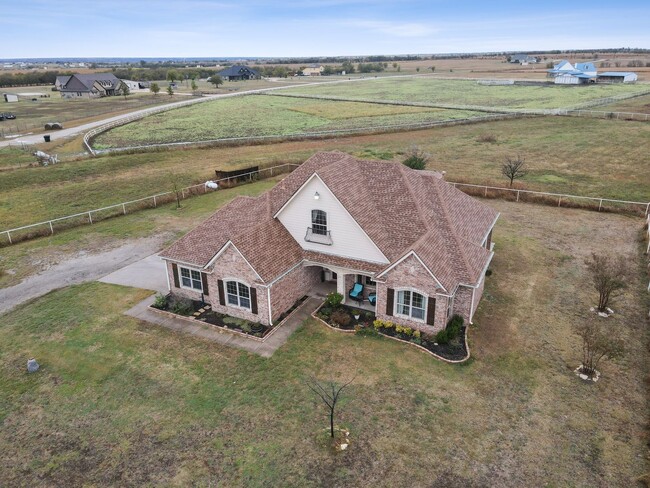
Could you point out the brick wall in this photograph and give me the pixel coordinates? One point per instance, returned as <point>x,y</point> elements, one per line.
<point>293,286</point>
<point>463,302</point>
<point>411,274</point>
<point>230,265</point>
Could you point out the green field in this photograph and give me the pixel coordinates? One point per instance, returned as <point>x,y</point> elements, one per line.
<point>254,116</point>
<point>602,158</point>
<point>469,92</point>
<point>119,402</point>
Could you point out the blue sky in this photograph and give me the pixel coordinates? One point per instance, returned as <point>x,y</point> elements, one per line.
<point>206,28</point>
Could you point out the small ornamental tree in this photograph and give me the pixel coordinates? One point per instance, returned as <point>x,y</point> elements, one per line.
<point>330,394</point>
<point>416,158</point>
<point>609,277</point>
<point>514,169</point>
<point>596,345</point>
<point>170,91</point>
<point>154,88</point>
<point>216,80</point>
<point>126,91</point>
<point>194,85</point>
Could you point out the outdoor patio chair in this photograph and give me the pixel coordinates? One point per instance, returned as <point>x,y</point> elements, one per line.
<point>372,298</point>
<point>356,293</point>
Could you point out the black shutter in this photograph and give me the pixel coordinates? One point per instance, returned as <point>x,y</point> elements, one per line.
<point>254,301</point>
<point>204,282</point>
<point>222,298</point>
<point>390,298</point>
<point>322,275</point>
<point>431,311</point>
<point>175,272</point>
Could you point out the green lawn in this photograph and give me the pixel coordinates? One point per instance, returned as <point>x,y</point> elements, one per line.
<point>119,402</point>
<point>254,116</point>
<point>469,92</point>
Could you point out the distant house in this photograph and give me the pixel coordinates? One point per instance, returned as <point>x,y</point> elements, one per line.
<point>523,59</point>
<point>617,77</point>
<point>131,85</point>
<point>60,81</point>
<point>313,70</point>
<point>239,73</point>
<point>564,73</point>
<point>94,85</point>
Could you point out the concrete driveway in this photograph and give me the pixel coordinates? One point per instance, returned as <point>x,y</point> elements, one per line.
<point>148,273</point>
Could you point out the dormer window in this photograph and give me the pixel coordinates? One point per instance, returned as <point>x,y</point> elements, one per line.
<point>319,222</point>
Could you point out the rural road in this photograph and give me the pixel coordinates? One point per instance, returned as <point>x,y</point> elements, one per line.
<point>65,133</point>
<point>86,267</point>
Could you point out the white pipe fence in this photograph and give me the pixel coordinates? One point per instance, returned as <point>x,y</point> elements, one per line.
<point>604,204</point>
<point>86,217</point>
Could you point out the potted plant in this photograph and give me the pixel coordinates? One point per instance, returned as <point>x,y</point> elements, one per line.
<point>356,314</point>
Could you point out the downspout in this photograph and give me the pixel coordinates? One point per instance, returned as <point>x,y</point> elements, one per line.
<point>169,285</point>
<point>268,295</point>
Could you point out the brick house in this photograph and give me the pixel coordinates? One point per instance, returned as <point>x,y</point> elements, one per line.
<point>419,246</point>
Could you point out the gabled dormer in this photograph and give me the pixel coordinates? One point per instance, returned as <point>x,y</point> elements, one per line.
<point>319,222</point>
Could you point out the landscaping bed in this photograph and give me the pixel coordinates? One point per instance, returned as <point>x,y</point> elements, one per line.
<point>344,317</point>
<point>254,329</point>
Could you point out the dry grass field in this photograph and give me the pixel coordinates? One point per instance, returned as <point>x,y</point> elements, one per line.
<point>121,402</point>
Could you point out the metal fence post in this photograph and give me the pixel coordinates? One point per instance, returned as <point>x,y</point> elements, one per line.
<point>559,201</point>
<point>51,228</point>
<point>123,209</point>
<point>9,236</point>
<point>90,218</point>
<point>517,195</point>
<point>154,201</point>
<point>600,204</point>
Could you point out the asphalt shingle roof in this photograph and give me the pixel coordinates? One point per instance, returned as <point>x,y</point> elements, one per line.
<point>418,211</point>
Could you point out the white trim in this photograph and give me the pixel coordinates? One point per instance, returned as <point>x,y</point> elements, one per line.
<point>418,258</point>
<point>180,278</point>
<point>285,273</point>
<point>471,307</point>
<point>410,317</point>
<point>225,290</point>
<point>490,229</point>
<point>223,249</point>
<point>169,285</point>
<point>268,297</point>
<point>182,263</point>
<point>482,275</point>
<point>315,174</point>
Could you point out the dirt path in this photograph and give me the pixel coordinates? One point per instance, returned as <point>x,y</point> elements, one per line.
<point>79,268</point>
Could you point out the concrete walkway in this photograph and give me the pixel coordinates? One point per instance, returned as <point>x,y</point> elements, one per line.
<point>264,348</point>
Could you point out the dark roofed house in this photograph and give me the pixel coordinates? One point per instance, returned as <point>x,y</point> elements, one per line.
<point>239,73</point>
<point>60,81</point>
<point>92,85</point>
<point>418,245</point>
<point>523,59</point>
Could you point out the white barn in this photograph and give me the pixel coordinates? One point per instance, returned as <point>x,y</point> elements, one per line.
<point>617,77</point>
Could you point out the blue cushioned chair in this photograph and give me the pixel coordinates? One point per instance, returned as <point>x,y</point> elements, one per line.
<point>356,293</point>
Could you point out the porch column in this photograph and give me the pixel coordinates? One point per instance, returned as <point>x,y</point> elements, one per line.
<point>340,285</point>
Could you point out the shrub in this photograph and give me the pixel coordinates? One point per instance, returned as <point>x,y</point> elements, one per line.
<point>366,331</point>
<point>160,301</point>
<point>442,337</point>
<point>487,138</point>
<point>340,318</point>
<point>452,331</point>
<point>180,305</point>
<point>416,158</point>
<point>416,334</point>
<point>334,299</point>
<point>383,324</point>
<point>400,329</point>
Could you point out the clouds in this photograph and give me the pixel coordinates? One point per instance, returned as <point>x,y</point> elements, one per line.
<point>164,28</point>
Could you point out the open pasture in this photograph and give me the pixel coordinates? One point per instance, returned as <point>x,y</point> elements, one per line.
<point>590,157</point>
<point>264,115</point>
<point>469,92</point>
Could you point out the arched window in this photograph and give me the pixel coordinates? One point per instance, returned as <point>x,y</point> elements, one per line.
<point>239,295</point>
<point>410,304</point>
<point>319,222</point>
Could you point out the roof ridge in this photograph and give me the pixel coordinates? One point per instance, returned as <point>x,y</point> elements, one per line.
<point>452,230</point>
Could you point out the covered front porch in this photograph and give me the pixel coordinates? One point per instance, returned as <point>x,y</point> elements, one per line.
<point>340,280</point>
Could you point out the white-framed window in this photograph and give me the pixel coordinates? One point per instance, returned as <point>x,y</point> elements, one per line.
<point>238,295</point>
<point>191,278</point>
<point>410,304</point>
<point>319,222</point>
<point>366,280</point>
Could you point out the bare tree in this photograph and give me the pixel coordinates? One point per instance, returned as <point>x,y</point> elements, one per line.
<point>330,393</point>
<point>597,345</point>
<point>174,181</point>
<point>514,169</point>
<point>609,276</point>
